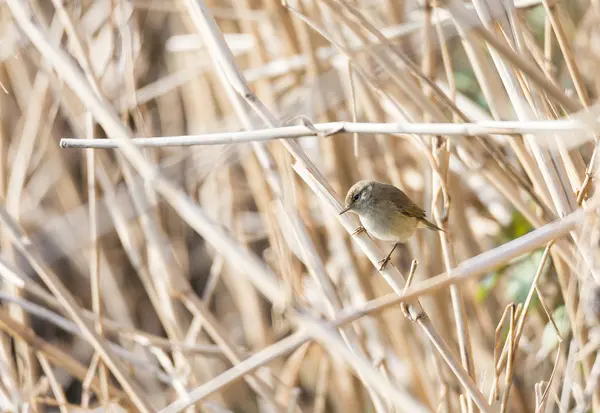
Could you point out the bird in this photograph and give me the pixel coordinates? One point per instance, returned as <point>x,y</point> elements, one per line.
<point>385,212</point>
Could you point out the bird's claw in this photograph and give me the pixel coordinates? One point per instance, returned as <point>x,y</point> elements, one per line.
<point>359,230</point>
<point>383,263</point>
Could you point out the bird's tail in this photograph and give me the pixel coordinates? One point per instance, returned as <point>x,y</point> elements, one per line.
<point>429,225</point>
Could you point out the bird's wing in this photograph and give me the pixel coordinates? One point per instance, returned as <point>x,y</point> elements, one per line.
<point>413,210</point>
<point>404,204</point>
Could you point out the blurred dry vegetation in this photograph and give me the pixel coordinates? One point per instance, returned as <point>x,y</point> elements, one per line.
<point>141,279</point>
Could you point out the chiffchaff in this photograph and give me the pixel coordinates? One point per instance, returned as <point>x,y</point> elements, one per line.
<point>385,212</point>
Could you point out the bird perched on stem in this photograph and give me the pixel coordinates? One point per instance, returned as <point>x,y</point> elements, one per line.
<point>385,212</point>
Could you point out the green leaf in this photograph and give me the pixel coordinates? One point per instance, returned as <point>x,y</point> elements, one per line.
<point>521,275</point>
<point>518,227</point>
<point>486,285</point>
<point>549,338</point>
<point>562,320</point>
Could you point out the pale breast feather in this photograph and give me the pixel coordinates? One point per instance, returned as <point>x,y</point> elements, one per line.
<point>400,230</point>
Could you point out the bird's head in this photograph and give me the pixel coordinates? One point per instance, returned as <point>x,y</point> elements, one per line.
<point>358,197</point>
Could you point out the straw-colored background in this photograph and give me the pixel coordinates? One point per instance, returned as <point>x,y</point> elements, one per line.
<point>219,277</point>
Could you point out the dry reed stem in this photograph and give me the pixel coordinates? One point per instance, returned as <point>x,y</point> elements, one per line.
<point>514,342</point>
<point>315,267</point>
<point>206,24</point>
<point>134,336</point>
<point>21,241</point>
<point>59,395</point>
<point>252,363</point>
<point>94,256</point>
<point>333,128</point>
<point>476,266</point>
<point>54,354</point>
<point>86,382</point>
<point>233,81</point>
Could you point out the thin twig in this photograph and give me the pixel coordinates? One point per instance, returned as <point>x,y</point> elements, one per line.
<point>330,128</point>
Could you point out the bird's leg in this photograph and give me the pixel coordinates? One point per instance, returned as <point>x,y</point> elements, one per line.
<point>384,261</point>
<point>359,230</point>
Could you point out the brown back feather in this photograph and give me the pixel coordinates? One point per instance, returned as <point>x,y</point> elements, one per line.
<point>397,199</point>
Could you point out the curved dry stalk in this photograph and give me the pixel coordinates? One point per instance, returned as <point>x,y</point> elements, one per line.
<point>514,342</point>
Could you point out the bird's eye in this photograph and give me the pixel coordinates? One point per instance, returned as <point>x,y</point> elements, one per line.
<point>355,197</point>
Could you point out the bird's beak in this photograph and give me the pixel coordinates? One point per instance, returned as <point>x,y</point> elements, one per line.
<point>343,211</point>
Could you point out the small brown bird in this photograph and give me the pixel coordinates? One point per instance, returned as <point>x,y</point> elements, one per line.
<point>385,212</point>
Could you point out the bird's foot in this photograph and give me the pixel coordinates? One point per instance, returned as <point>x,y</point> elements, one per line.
<point>383,263</point>
<point>359,230</point>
